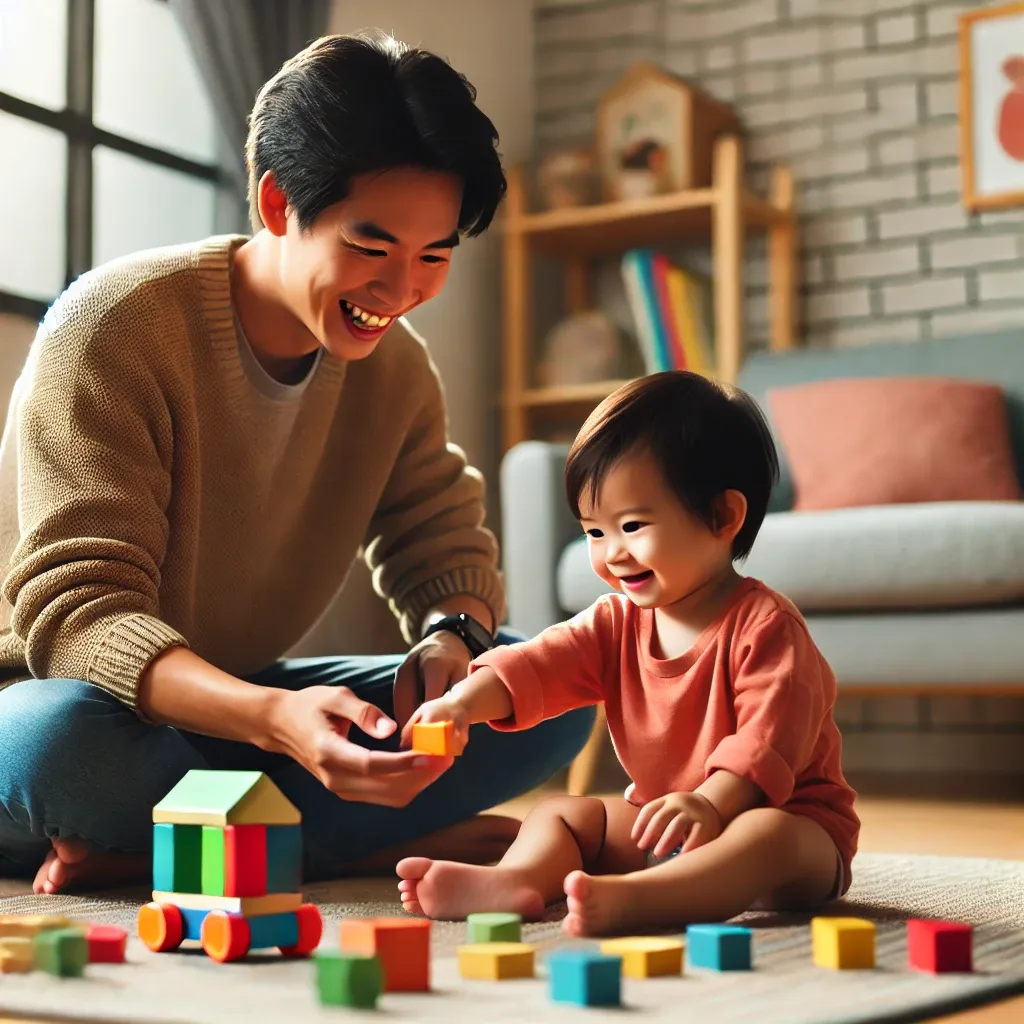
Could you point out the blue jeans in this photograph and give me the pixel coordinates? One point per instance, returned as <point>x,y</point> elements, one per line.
<point>75,761</point>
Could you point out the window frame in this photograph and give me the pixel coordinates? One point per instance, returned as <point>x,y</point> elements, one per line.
<point>75,122</point>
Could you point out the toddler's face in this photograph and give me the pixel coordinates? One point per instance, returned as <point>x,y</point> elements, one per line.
<point>643,542</point>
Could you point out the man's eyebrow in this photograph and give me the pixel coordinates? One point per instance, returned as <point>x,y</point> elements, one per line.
<point>368,229</point>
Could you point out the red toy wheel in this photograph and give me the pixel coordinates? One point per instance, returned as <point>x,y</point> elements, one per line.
<point>311,928</point>
<point>225,936</point>
<point>160,926</point>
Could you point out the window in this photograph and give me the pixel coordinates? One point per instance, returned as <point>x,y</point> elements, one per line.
<point>108,139</point>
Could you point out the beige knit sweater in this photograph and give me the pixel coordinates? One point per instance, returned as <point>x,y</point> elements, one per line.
<point>158,487</point>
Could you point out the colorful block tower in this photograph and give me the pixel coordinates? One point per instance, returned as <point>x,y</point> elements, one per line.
<point>227,866</point>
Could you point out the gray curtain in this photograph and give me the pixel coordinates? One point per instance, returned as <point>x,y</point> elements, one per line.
<point>238,45</point>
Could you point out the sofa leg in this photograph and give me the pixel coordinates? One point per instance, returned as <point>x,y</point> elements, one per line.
<point>583,770</point>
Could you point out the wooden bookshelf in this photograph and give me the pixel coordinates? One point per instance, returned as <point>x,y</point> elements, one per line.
<point>723,214</point>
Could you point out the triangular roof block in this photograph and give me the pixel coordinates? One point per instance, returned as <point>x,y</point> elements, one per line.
<point>226,798</point>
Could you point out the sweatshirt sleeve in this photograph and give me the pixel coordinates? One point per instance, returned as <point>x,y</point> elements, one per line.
<point>562,668</point>
<point>427,540</point>
<point>781,696</point>
<point>94,443</point>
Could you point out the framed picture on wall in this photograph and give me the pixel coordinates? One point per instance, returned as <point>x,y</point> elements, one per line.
<point>992,106</point>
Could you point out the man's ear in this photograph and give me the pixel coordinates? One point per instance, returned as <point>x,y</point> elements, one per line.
<point>272,205</point>
<point>730,514</point>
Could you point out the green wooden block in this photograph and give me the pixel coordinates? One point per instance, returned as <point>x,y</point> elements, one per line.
<point>213,861</point>
<point>494,928</point>
<point>348,979</point>
<point>177,853</point>
<point>64,952</point>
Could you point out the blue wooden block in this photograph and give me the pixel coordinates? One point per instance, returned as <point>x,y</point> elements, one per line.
<point>177,857</point>
<point>284,858</point>
<point>269,930</point>
<point>721,947</point>
<point>585,977</point>
<point>193,922</point>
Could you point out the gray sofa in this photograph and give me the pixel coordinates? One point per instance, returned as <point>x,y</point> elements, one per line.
<point>923,598</point>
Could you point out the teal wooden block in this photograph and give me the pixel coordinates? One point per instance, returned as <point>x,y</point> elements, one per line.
<point>63,951</point>
<point>585,978</point>
<point>284,858</point>
<point>177,858</point>
<point>720,947</point>
<point>494,928</point>
<point>348,979</point>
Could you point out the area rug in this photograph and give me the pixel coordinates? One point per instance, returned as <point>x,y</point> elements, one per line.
<point>784,988</point>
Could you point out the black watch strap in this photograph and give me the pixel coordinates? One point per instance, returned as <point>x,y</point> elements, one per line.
<point>474,635</point>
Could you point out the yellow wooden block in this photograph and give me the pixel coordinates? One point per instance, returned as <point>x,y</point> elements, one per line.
<point>250,906</point>
<point>496,961</point>
<point>647,956</point>
<point>30,925</point>
<point>843,943</point>
<point>433,738</point>
<point>17,954</point>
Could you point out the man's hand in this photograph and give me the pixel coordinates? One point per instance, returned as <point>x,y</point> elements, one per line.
<point>312,727</point>
<point>446,708</point>
<point>429,670</point>
<point>678,818</point>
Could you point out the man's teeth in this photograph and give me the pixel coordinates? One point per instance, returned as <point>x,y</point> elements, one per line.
<point>365,319</point>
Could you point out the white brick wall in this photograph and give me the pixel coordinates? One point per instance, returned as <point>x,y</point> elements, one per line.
<point>859,98</point>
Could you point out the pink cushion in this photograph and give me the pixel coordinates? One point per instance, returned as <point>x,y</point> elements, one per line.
<point>894,440</point>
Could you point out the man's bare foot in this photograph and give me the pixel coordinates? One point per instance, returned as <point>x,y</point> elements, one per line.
<point>71,864</point>
<point>448,891</point>
<point>604,905</point>
<point>480,840</point>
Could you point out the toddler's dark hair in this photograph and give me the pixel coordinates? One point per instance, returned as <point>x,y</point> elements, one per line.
<point>707,437</point>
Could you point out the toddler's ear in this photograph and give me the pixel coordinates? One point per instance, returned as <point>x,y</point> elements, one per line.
<point>730,512</point>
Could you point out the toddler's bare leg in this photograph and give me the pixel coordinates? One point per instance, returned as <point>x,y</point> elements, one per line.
<point>560,835</point>
<point>764,855</point>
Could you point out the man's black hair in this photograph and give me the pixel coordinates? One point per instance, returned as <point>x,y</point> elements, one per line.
<point>705,436</point>
<point>352,104</point>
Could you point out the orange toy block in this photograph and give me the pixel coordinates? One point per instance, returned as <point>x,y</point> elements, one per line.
<point>433,738</point>
<point>402,945</point>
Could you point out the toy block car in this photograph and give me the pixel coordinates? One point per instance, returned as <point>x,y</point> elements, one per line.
<point>227,864</point>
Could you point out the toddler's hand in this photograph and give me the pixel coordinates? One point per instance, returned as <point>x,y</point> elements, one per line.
<point>444,709</point>
<point>687,818</point>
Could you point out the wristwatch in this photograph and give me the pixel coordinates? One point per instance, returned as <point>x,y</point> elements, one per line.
<point>467,629</point>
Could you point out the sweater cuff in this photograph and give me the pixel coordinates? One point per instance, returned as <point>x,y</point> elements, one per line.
<point>124,653</point>
<point>484,584</point>
<point>751,758</point>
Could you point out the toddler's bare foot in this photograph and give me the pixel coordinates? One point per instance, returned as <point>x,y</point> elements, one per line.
<point>448,891</point>
<point>72,864</point>
<point>600,905</point>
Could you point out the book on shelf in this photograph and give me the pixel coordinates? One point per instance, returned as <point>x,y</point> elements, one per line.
<point>672,311</point>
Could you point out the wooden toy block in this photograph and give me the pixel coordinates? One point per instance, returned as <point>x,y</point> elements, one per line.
<point>401,944</point>
<point>106,943</point>
<point>207,797</point>
<point>496,961</point>
<point>719,947</point>
<point>212,872</point>
<point>940,946</point>
<point>63,952</point>
<point>284,858</point>
<point>494,928</point>
<point>245,860</point>
<point>177,857</point>
<point>433,738</point>
<point>30,925</point>
<point>647,956</point>
<point>843,943</point>
<point>585,978</point>
<point>272,903</point>
<point>348,979</point>
<point>17,954</point>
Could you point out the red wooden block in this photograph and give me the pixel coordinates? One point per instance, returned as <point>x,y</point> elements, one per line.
<point>939,946</point>
<point>106,944</point>
<point>245,860</point>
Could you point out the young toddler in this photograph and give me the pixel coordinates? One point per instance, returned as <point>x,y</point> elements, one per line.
<point>718,702</point>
